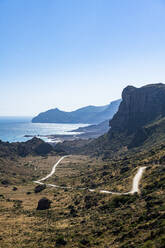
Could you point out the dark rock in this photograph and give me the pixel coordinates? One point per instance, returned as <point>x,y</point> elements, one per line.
<point>43,204</point>
<point>39,188</point>
<point>28,193</point>
<point>5,182</point>
<point>15,188</point>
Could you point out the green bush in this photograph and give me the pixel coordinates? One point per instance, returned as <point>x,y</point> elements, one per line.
<point>60,241</point>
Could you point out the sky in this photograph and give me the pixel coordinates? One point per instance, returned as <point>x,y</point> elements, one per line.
<point>73,53</point>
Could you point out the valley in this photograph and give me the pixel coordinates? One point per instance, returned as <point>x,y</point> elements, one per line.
<point>78,218</point>
<point>135,183</point>
<point>106,192</point>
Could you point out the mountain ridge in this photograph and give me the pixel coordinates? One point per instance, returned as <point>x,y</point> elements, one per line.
<point>88,115</point>
<point>139,121</point>
<point>138,124</point>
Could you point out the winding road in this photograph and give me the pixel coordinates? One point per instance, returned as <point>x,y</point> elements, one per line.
<point>135,183</point>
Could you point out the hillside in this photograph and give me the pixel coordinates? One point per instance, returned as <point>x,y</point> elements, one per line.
<point>99,129</point>
<point>82,213</point>
<point>89,114</point>
<point>34,146</point>
<point>139,121</point>
<point>138,124</point>
<point>80,218</point>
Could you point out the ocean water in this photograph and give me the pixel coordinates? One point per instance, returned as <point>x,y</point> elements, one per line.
<point>13,129</point>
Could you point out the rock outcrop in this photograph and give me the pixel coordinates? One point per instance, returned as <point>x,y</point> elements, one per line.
<point>140,118</point>
<point>39,188</point>
<point>139,107</point>
<point>34,146</point>
<point>43,203</point>
<point>138,123</point>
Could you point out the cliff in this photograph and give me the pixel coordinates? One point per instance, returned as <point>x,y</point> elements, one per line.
<point>139,107</point>
<point>140,120</point>
<point>139,123</point>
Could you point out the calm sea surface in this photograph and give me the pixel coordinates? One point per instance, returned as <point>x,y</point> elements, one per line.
<point>13,129</point>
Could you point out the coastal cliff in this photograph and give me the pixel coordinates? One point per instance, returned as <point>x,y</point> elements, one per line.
<point>139,107</point>
<point>139,123</point>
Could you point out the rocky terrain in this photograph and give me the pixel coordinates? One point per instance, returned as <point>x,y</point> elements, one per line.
<point>139,122</point>
<point>75,213</point>
<point>34,146</point>
<point>139,107</point>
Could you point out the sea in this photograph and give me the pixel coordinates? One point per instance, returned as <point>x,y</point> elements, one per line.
<point>14,129</point>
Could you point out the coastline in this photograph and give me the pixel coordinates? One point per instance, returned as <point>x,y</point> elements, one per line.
<point>84,133</point>
<point>59,138</point>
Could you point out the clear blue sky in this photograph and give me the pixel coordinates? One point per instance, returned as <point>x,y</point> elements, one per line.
<point>72,53</point>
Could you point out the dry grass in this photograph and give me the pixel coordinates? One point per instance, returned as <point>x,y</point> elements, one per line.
<point>76,214</point>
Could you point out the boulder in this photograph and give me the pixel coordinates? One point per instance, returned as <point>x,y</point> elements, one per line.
<point>15,188</point>
<point>5,182</point>
<point>43,204</point>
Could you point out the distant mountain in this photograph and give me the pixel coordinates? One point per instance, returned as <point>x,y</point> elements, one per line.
<point>89,114</point>
<point>93,131</point>
<point>102,127</point>
<point>139,123</point>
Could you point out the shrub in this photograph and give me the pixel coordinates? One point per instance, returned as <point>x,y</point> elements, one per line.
<point>14,188</point>
<point>117,201</point>
<point>85,242</point>
<point>39,188</point>
<point>60,241</point>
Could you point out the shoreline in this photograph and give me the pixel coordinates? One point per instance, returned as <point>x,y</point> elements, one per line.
<point>59,138</point>
<point>84,133</point>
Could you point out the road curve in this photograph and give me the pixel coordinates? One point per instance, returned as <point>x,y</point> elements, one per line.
<point>51,174</point>
<point>135,183</point>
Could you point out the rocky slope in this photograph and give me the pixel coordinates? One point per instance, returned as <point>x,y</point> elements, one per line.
<point>139,123</point>
<point>89,114</point>
<point>139,107</point>
<point>96,130</point>
<point>34,146</point>
<point>81,218</point>
<point>140,117</point>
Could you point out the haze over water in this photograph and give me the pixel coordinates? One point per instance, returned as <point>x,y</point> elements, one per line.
<point>13,129</point>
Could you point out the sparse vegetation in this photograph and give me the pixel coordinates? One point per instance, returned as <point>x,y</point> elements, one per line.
<point>79,218</point>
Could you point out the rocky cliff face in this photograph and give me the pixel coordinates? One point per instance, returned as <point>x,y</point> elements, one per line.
<point>139,107</point>
<point>139,123</point>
